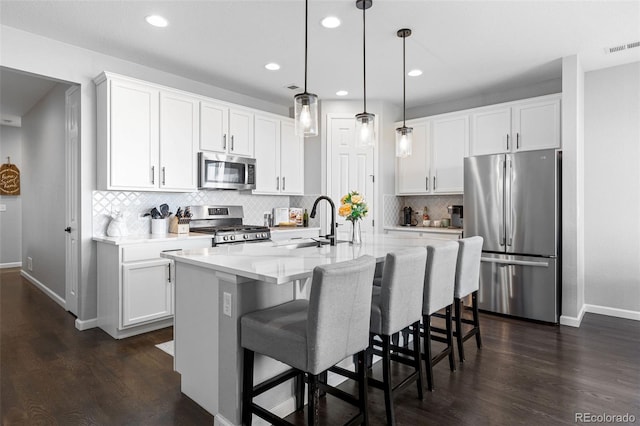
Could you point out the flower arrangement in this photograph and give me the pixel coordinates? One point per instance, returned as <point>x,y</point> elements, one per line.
<point>353,207</point>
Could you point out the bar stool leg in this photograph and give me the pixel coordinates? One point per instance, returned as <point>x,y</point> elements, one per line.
<point>426,322</point>
<point>386,377</point>
<point>247,386</point>
<point>416,356</point>
<point>458,331</point>
<point>476,319</point>
<point>452,357</point>
<point>313,408</point>
<point>363,400</point>
<point>299,392</point>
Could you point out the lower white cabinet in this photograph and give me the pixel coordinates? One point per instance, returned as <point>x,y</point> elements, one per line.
<point>426,233</point>
<point>135,285</point>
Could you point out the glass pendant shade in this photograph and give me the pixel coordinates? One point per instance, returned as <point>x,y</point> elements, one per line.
<point>366,129</point>
<point>306,114</point>
<point>404,141</point>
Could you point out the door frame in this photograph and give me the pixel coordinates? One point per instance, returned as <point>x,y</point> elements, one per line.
<point>72,192</point>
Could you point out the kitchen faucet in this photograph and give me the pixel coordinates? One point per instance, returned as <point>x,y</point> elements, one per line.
<point>332,236</point>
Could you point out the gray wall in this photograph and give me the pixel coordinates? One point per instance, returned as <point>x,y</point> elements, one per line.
<point>11,219</point>
<point>612,187</point>
<point>43,189</point>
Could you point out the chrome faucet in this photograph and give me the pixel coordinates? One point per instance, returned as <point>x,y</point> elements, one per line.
<point>332,236</point>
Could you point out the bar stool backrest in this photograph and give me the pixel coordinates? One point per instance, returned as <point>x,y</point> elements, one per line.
<point>339,312</point>
<point>468,269</point>
<point>440,276</point>
<point>401,289</point>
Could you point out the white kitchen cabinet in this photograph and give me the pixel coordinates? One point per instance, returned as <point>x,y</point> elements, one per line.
<point>436,163</point>
<point>135,285</point>
<point>226,129</point>
<point>516,126</point>
<point>146,136</point>
<point>426,233</point>
<point>279,156</point>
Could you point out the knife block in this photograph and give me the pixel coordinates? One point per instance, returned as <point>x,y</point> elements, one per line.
<point>179,225</point>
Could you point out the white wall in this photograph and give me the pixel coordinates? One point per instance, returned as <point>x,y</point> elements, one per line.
<point>11,219</point>
<point>612,189</point>
<point>43,56</point>
<point>43,190</point>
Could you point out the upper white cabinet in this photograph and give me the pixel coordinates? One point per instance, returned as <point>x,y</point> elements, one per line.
<point>226,129</point>
<point>279,156</point>
<point>436,163</point>
<point>146,136</point>
<point>516,126</point>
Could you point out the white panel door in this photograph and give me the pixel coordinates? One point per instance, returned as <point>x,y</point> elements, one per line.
<point>350,169</point>
<point>450,135</point>
<point>147,293</point>
<point>491,131</point>
<point>267,151</point>
<point>291,160</point>
<point>72,149</point>
<point>536,125</point>
<point>214,127</point>
<point>413,172</point>
<point>178,141</point>
<point>134,127</point>
<point>241,132</point>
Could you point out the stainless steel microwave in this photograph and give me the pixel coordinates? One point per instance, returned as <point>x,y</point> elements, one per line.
<point>219,171</point>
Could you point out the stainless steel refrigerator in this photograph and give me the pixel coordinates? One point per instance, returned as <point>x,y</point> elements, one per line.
<point>512,200</point>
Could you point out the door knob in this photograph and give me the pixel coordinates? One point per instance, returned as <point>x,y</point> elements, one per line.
<point>67,229</point>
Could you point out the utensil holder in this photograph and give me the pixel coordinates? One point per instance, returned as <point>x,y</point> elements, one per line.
<point>159,226</point>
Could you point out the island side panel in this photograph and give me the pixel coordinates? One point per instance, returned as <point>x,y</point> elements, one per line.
<point>196,334</point>
<point>248,296</point>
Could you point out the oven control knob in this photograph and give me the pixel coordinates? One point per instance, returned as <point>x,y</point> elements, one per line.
<point>225,238</point>
<point>245,236</point>
<point>233,237</point>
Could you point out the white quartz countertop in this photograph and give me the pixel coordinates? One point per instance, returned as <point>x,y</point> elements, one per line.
<point>278,263</point>
<point>424,229</point>
<point>149,238</point>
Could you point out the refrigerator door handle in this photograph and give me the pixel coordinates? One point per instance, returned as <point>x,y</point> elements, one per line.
<point>510,224</point>
<point>507,262</point>
<point>502,229</point>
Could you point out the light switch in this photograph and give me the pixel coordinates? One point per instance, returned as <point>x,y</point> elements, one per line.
<point>226,308</point>
<point>3,207</point>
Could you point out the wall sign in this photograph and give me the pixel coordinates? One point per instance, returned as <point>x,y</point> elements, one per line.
<point>9,179</point>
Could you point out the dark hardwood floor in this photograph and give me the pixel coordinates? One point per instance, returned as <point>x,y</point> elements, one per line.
<point>526,373</point>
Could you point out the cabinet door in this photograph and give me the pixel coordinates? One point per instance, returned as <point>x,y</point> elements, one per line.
<point>412,173</point>
<point>267,150</point>
<point>133,142</point>
<point>450,135</point>
<point>241,132</point>
<point>291,160</point>
<point>147,292</point>
<point>178,139</point>
<point>536,125</point>
<point>214,127</point>
<point>490,133</point>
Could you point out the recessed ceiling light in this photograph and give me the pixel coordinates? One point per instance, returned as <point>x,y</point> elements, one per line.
<point>330,22</point>
<point>157,21</point>
<point>414,73</point>
<point>342,93</point>
<point>272,66</point>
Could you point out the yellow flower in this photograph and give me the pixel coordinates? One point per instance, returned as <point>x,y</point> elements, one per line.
<point>343,200</point>
<point>344,210</point>
<point>356,199</point>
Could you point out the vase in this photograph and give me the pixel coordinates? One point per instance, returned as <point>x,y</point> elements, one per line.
<point>356,235</point>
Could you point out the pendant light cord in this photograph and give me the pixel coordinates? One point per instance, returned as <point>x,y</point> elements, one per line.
<point>306,20</point>
<point>364,55</point>
<point>404,83</point>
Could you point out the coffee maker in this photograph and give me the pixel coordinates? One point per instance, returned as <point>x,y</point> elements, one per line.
<point>407,217</point>
<point>455,212</point>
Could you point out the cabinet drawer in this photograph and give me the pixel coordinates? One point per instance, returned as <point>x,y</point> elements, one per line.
<point>152,250</point>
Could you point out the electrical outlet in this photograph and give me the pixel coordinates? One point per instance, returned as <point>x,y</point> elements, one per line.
<point>29,263</point>
<point>226,308</point>
<point>3,207</point>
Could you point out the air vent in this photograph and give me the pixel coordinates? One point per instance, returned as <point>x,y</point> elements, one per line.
<point>292,86</point>
<point>620,48</point>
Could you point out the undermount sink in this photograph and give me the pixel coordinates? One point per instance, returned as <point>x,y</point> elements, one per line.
<point>306,242</point>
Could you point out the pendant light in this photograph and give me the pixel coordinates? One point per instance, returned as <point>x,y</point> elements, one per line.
<point>306,104</point>
<point>365,121</point>
<point>404,134</point>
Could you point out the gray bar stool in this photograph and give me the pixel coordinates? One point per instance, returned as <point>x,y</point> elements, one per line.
<point>311,336</point>
<point>467,283</point>
<point>439,282</point>
<point>396,304</point>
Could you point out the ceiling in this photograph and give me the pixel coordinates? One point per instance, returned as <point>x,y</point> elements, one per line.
<point>465,48</point>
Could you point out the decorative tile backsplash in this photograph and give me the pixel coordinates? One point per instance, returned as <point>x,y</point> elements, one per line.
<point>436,206</point>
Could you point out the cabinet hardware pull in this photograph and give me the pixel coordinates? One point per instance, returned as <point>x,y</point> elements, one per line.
<point>426,183</point>
<point>163,175</point>
<point>153,175</point>
<point>507,141</point>
<point>283,182</point>
<point>517,140</point>
<point>169,265</point>
<point>277,184</point>
<point>434,183</point>
<point>231,142</point>
<point>224,141</point>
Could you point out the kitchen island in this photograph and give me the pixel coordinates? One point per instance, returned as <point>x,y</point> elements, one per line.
<point>215,286</point>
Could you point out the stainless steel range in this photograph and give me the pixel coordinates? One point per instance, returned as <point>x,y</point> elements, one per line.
<point>224,223</point>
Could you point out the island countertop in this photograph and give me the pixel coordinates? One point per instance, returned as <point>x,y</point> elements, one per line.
<point>278,263</point>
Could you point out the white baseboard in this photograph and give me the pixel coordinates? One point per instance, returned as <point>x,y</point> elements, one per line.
<point>86,324</point>
<point>10,265</point>
<point>220,420</point>
<point>46,290</point>
<point>573,321</point>
<point>613,312</point>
